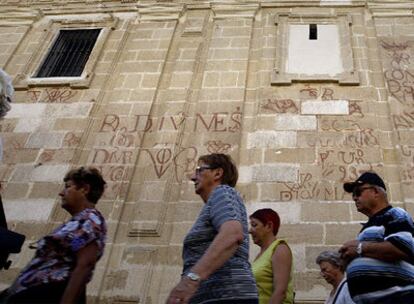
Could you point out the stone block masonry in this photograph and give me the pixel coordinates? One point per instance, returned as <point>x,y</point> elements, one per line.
<point>173,81</point>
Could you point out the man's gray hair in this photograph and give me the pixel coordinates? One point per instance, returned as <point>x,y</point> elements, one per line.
<point>383,191</point>
<point>331,257</point>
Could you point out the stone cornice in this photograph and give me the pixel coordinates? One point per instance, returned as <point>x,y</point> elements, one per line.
<point>19,16</point>
<point>160,11</point>
<point>234,10</point>
<point>391,8</point>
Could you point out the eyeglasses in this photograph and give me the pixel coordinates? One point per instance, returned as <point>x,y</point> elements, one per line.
<point>200,169</point>
<point>358,190</point>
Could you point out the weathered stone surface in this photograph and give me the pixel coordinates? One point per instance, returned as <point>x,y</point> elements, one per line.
<point>271,139</point>
<point>333,107</point>
<point>37,210</point>
<point>275,173</point>
<point>295,122</point>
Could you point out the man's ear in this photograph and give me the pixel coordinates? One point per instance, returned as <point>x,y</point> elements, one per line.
<point>218,175</point>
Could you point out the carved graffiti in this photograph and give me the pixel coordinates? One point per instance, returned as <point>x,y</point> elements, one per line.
<point>355,109</point>
<point>343,165</point>
<point>215,122</point>
<point>114,173</point>
<point>280,106</point>
<point>59,95</point>
<point>328,124</point>
<point>310,188</point>
<point>71,139</point>
<point>397,53</point>
<point>407,174</point>
<point>183,162</point>
<point>404,120</point>
<point>401,85</point>
<point>400,80</point>
<point>356,139</point>
<point>47,156</point>
<point>313,93</point>
<point>115,155</point>
<point>217,146</point>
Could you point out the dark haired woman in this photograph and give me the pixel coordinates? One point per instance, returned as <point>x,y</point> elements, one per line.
<point>273,266</point>
<point>65,259</point>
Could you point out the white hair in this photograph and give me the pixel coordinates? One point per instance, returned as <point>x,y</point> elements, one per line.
<point>6,92</point>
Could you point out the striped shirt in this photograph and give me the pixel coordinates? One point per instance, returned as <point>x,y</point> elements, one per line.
<point>374,280</point>
<point>234,280</point>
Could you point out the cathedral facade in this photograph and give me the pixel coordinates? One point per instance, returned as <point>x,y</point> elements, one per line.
<point>303,94</point>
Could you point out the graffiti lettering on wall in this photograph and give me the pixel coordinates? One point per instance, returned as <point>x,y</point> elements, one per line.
<point>357,139</point>
<point>345,157</point>
<point>215,122</point>
<point>400,80</point>
<point>280,106</point>
<point>355,108</point>
<point>114,156</point>
<point>404,120</point>
<point>115,173</point>
<point>407,152</point>
<point>310,188</point>
<point>60,95</point>
<point>407,174</point>
<point>314,93</point>
<point>339,125</point>
<point>398,52</point>
<point>217,146</point>
<point>183,161</point>
<point>401,85</point>
<point>343,165</point>
<point>71,139</point>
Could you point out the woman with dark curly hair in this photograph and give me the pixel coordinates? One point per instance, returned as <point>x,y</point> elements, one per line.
<point>65,259</point>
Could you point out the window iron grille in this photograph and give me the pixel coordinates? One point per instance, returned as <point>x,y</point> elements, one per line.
<point>69,53</point>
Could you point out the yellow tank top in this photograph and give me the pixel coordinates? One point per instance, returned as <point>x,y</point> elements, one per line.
<point>263,273</point>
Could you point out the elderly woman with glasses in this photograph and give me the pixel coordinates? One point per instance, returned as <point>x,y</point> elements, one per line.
<point>216,249</point>
<point>332,270</point>
<point>65,258</point>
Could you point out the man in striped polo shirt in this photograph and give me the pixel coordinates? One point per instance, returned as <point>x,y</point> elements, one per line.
<point>381,259</point>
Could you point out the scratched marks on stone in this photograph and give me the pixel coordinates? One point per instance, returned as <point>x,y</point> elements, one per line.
<point>280,106</point>
<point>214,122</point>
<point>400,84</point>
<point>59,95</point>
<point>182,162</point>
<point>399,78</point>
<point>309,92</point>
<point>344,165</point>
<point>71,139</point>
<point>397,52</point>
<point>356,139</point>
<point>309,188</point>
<point>217,146</point>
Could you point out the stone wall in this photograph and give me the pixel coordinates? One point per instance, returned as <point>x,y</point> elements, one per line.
<point>170,81</point>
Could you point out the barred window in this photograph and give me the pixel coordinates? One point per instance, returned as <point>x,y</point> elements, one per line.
<point>69,53</point>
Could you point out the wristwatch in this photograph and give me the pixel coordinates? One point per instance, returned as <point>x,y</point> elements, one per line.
<point>193,276</point>
<point>359,249</point>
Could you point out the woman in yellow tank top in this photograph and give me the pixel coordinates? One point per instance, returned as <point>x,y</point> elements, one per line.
<point>273,266</point>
